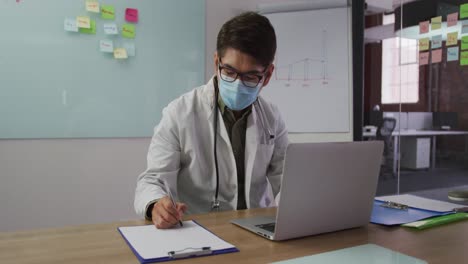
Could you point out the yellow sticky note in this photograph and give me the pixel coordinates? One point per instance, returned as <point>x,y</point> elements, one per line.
<point>436,23</point>
<point>91,29</point>
<point>120,53</point>
<point>92,6</point>
<point>423,44</point>
<point>452,38</point>
<point>83,22</point>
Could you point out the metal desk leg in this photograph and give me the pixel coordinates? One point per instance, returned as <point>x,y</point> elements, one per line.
<point>395,154</point>
<point>433,158</point>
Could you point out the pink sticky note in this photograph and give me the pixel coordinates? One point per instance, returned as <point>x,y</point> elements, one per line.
<point>436,56</point>
<point>423,58</point>
<point>423,27</point>
<point>452,19</point>
<point>131,15</point>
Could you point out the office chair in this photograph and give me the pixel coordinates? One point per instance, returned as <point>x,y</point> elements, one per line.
<point>384,133</point>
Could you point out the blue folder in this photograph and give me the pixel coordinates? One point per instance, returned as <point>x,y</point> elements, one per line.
<point>389,216</point>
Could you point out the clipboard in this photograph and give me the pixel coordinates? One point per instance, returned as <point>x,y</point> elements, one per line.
<point>406,208</point>
<point>384,215</point>
<point>150,244</point>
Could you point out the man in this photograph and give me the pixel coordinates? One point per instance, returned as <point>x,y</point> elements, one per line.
<point>242,166</point>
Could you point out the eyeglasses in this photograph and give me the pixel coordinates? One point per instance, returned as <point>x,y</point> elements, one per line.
<point>229,74</point>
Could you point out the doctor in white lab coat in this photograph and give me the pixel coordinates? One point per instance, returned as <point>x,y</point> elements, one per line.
<point>182,151</point>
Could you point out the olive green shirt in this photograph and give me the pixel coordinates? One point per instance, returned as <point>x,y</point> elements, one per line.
<point>236,129</point>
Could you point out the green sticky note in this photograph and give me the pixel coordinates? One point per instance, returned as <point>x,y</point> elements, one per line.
<point>464,58</point>
<point>464,43</point>
<point>107,12</point>
<point>464,11</point>
<point>128,31</point>
<point>91,29</point>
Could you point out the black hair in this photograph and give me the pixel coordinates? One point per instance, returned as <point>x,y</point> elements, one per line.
<point>251,34</point>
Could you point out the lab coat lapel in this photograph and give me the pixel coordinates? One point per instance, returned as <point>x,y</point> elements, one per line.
<point>251,142</point>
<point>221,130</point>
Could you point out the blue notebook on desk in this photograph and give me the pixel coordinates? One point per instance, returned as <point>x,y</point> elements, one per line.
<point>150,244</point>
<point>415,208</point>
<point>389,216</point>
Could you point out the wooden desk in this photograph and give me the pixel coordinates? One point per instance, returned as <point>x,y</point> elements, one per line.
<point>103,244</point>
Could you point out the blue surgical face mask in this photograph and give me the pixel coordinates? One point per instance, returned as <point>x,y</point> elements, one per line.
<point>236,95</point>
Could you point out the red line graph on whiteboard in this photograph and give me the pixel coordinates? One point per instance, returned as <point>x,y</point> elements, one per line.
<point>306,69</point>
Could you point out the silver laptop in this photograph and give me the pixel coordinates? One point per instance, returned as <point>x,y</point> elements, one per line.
<point>325,187</point>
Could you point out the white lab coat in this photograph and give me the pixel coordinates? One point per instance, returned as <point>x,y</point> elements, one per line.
<point>181,152</point>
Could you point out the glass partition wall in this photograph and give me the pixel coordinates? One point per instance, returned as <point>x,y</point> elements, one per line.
<point>416,97</point>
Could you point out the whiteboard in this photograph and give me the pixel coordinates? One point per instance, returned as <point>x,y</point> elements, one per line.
<point>57,84</point>
<point>312,83</point>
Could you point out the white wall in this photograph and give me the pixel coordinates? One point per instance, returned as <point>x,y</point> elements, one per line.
<point>58,182</point>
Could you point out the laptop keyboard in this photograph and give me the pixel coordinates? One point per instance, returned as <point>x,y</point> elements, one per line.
<point>268,227</point>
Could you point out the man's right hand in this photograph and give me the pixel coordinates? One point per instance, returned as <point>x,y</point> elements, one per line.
<point>164,215</point>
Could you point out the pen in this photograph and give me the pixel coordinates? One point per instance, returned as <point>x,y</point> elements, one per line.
<point>168,191</point>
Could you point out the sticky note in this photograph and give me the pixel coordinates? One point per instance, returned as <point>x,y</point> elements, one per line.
<point>464,43</point>
<point>91,29</point>
<point>424,44</point>
<point>120,53</point>
<point>452,54</point>
<point>436,56</point>
<point>131,15</point>
<point>130,48</point>
<point>83,22</point>
<point>423,27</point>
<point>436,42</point>
<point>452,38</point>
<point>452,19</point>
<point>423,58</point>
<point>70,25</point>
<point>436,23</point>
<point>107,12</point>
<point>106,46</point>
<point>128,31</point>
<point>111,29</point>
<point>463,11</point>
<point>464,27</point>
<point>92,6</point>
<point>464,58</point>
